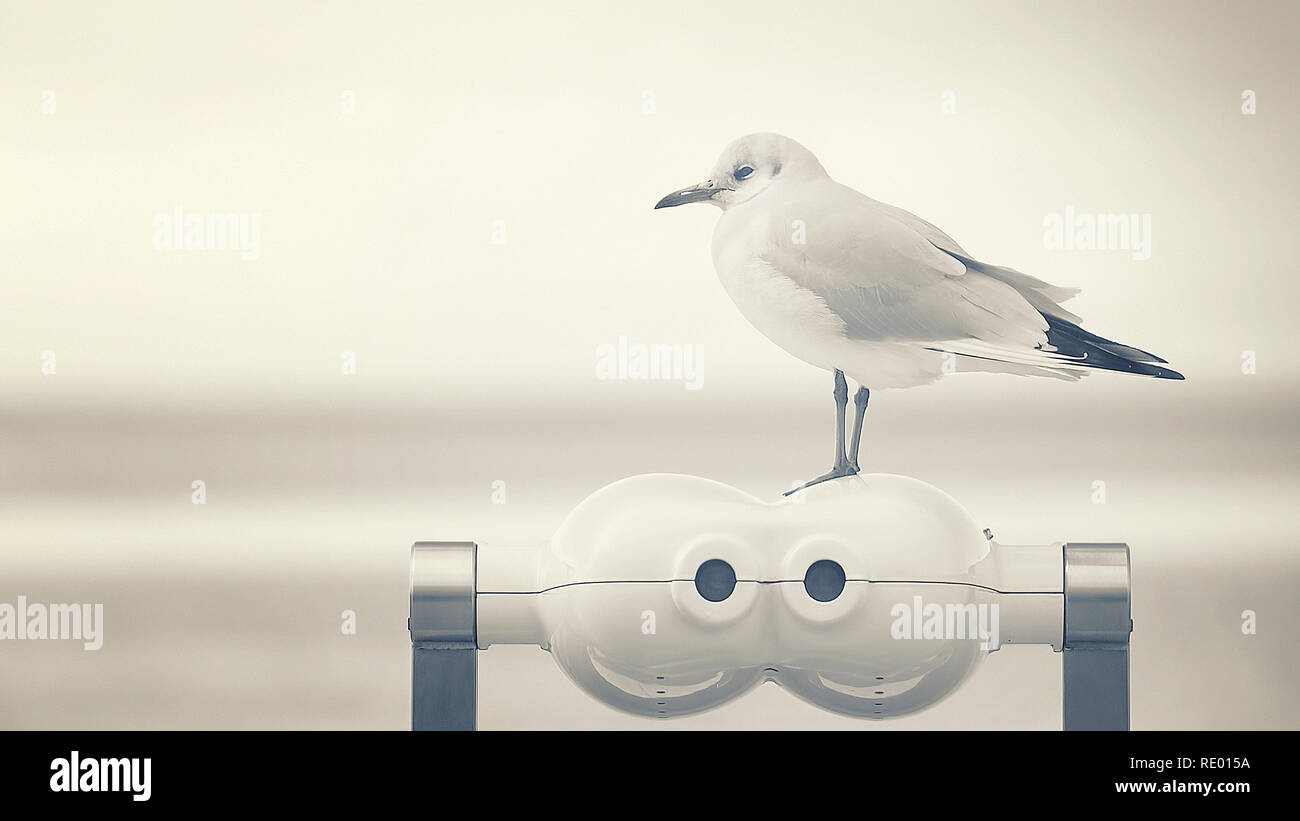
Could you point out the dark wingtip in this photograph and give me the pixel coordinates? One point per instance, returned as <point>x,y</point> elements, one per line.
<point>1145,369</point>
<point>1092,351</point>
<point>1129,366</point>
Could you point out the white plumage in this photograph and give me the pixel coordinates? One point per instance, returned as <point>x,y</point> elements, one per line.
<point>862,288</point>
<point>845,282</point>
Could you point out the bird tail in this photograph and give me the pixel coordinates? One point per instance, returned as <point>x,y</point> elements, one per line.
<point>1092,351</point>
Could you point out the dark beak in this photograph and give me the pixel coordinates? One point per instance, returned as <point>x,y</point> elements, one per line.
<point>696,193</point>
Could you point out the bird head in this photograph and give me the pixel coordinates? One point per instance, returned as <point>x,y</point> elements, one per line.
<point>747,167</point>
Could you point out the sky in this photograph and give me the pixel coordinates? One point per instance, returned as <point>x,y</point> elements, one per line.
<point>458,202</point>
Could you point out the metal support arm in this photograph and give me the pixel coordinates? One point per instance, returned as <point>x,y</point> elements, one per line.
<point>1098,621</point>
<point>444,651</point>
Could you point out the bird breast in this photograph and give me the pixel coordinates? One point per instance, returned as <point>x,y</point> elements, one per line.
<point>798,320</point>
<point>793,317</point>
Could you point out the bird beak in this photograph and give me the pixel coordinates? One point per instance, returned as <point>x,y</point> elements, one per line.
<point>696,193</point>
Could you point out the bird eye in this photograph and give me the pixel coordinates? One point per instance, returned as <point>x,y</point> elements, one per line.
<point>742,172</point>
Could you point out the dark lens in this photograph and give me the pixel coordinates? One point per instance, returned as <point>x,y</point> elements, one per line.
<point>715,580</point>
<point>824,580</point>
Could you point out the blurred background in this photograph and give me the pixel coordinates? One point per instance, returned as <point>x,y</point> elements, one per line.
<point>454,216</point>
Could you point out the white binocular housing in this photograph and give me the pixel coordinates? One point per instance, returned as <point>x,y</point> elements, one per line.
<point>872,596</point>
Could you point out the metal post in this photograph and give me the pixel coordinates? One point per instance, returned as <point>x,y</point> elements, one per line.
<point>444,652</point>
<point>1098,621</point>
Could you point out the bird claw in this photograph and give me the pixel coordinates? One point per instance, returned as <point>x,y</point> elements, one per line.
<point>838,472</point>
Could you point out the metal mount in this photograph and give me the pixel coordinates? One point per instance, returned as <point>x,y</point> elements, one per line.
<point>1098,621</point>
<point>444,652</point>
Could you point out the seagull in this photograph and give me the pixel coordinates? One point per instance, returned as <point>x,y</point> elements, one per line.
<point>864,289</point>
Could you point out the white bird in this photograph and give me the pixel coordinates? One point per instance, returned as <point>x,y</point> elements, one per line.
<point>863,288</point>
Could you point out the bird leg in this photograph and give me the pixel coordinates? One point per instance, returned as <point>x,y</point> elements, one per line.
<point>859,410</point>
<point>841,405</point>
<point>842,466</point>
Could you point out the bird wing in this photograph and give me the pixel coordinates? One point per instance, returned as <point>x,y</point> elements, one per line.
<point>888,281</point>
<point>1068,345</point>
<point>1044,296</point>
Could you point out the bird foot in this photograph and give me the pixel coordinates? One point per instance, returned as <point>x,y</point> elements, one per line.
<point>837,472</point>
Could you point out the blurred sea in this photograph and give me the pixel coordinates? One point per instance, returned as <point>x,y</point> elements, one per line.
<point>228,614</point>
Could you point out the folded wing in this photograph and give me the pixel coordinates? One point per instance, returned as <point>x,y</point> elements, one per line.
<point>893,277</point>
<point>890,282</point>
